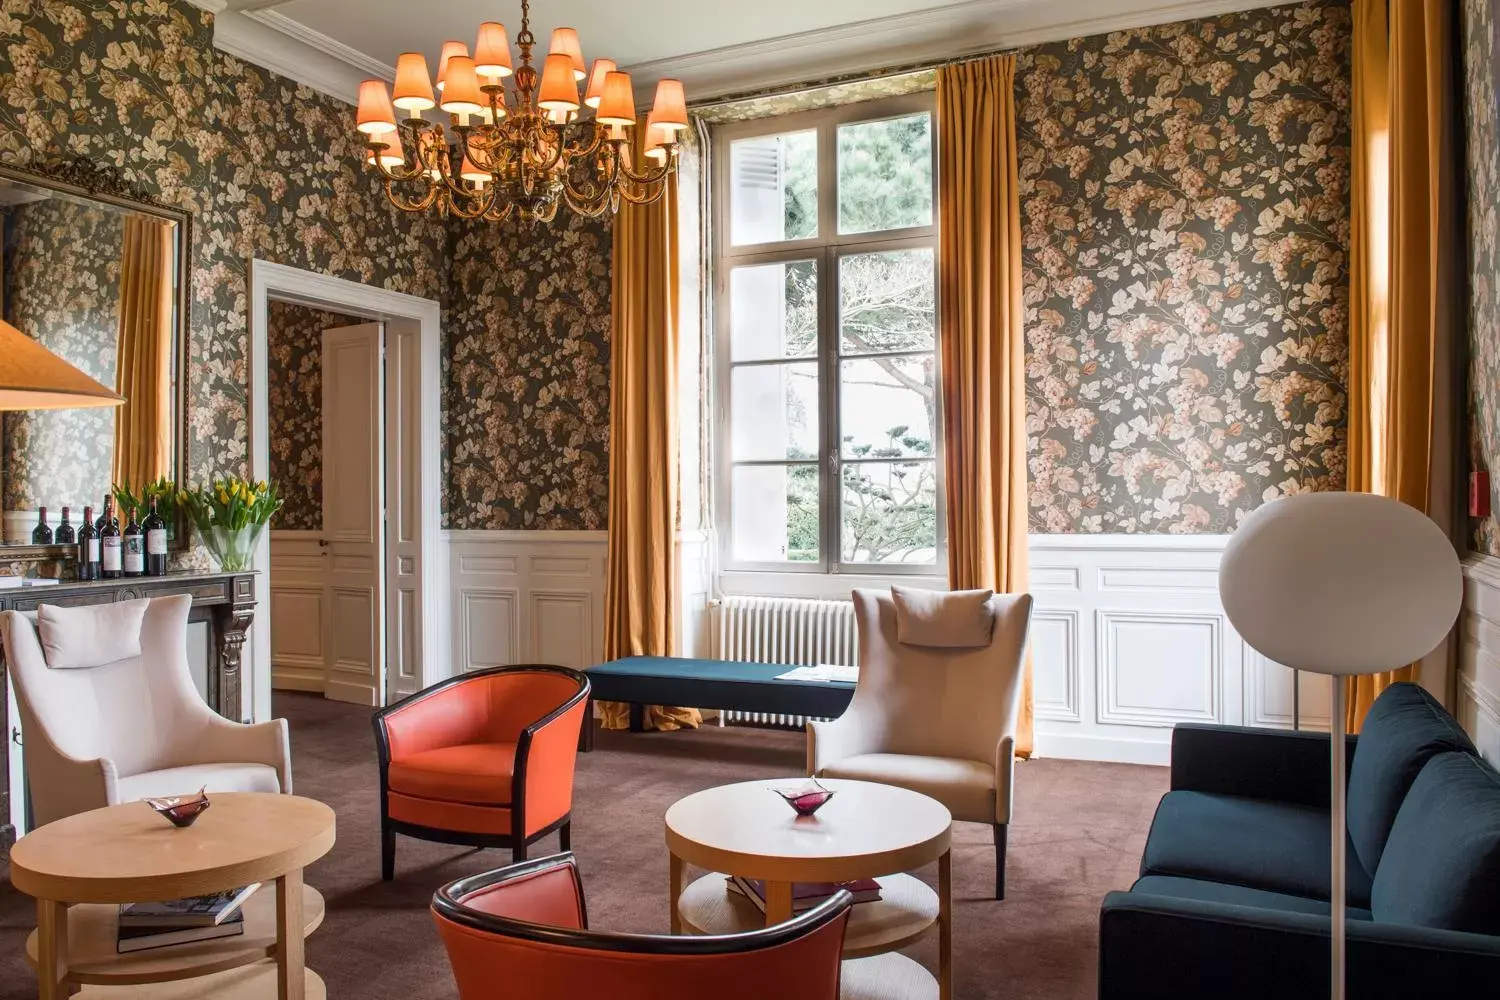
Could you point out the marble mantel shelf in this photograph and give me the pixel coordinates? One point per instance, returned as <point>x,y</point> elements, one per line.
<point>225,602</point>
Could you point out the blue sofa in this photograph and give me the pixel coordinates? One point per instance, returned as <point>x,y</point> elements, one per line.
<point>1232,900</point>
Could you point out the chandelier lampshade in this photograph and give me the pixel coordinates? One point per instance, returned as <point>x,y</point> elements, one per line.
<point>375,116</point>
<point>492,52</point>
<point>519,139</point>
<point>450,49</point>
<point>565,42</point>
<point>670,107</point>
<point>602,68</point>
<point>559,85</point>
<point>413,91</point>
<point>462,95</point>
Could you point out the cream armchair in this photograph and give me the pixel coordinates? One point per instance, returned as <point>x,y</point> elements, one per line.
<point>132,728</point>
<point>938,720</point>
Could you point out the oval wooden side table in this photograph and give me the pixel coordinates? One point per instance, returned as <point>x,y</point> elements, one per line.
<point>79,870</point>
<point>866,830</point>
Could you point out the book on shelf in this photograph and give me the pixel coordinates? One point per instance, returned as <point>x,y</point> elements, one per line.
<point>805,895</point>
<point>195,911</point>
<point>130,939</point>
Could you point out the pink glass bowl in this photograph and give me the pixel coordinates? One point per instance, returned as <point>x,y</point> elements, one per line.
<point>805,799</point>
<point>181,810</point>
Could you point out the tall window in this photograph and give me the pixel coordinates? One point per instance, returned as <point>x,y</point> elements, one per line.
<point>825,251</point>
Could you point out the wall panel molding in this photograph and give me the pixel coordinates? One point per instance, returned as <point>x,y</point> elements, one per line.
<point>1478,682</point>
<point>526,597</point>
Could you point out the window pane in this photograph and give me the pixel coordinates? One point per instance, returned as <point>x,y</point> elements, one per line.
<point>773,412</point>
<point>773,188</point>
<point>890,512</point>
<point>773,311</point>
<point>887,407</point>
<point>775,513</point>
<point>885,174</point>
<point>887,301</point>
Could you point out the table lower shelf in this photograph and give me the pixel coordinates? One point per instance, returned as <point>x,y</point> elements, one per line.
<point>886,977</point>
<point>92,959</point>
<point>249,982</point>
<point>907,909</point>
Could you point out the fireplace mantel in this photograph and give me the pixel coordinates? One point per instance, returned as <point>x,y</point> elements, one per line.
<point>225,602</point>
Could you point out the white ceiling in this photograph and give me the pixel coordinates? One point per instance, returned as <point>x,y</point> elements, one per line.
<point>715,46</point>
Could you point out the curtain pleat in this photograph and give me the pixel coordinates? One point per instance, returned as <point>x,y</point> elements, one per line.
<point>1402,329</point>
<point>981,336</point>
<point>640,589</point>
<point>143,424</point>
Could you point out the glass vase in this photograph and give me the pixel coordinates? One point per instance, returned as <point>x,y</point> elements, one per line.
<point>233,548</point>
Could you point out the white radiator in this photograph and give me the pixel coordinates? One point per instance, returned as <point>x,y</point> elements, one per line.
<point>789,630</point>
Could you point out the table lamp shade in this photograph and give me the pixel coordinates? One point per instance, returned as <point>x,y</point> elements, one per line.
<point>1341,583</point>
<point>33,378</point>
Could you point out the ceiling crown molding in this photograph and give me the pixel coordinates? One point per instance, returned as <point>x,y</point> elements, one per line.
<point>251,30</point>
<point>951,32</point>
<point>283,46</point>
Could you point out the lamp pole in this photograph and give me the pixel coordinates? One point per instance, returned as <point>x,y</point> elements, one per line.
<point>1338,835</point>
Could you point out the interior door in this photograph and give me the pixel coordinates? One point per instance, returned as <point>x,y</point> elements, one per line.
<point>354,513</point>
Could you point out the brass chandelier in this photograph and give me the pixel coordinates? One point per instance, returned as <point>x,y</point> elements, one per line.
<point>521,150</point>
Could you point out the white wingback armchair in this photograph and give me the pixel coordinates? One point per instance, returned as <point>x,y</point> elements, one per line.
<point>940,720</point>
<point>132,728</point>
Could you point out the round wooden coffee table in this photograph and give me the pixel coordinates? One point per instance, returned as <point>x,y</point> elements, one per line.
<point>81,868</point>
<point>866,830</point>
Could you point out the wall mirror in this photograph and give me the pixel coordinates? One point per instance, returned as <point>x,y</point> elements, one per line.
<point>98,275</point>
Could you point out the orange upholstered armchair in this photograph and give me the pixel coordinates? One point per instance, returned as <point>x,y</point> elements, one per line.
<point>484,759</point>
<point>521,933</point>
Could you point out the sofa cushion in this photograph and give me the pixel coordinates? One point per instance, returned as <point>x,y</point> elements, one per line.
<point>1275,846</point>
<point>187,780</point>
<point>90,636</point>
<point>959,619</point>
<point>1404,729</point>
<point>1237,895</point>
<point>1441,866</point>
<point>476,773</point>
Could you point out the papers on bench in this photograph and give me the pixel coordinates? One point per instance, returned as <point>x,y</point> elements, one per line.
<point>823,672</point>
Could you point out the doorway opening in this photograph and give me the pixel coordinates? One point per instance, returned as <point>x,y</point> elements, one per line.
<point>345,416</point>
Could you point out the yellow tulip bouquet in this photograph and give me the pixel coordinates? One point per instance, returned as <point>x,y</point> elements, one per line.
<point>230,514</point>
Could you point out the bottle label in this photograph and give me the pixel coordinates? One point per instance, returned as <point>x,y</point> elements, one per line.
<point>135,554</point>
<point>111,554</point>
<point>93,553</point>
<point>156,542</point>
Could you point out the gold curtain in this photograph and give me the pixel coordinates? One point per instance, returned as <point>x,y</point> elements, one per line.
<point>980,334</point>
<point>143,424</point>
<point>641,580</point>
<point>1401,358</point>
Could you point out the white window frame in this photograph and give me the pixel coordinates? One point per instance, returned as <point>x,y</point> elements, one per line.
<point>826,249</point>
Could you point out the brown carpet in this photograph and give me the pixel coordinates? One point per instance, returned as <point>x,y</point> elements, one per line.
<point>1078,833</point>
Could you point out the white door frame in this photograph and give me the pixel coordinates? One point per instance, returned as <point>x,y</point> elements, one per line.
<point>267,281</point>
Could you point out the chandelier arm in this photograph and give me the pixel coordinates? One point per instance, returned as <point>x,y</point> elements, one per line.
<point>591,206</point>
<point>420,205</point>
<point>499,212</point>
<point>652,174</point>
<point>596,139</point>
<point>653,193</point>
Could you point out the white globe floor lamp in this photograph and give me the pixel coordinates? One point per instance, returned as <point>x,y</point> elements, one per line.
<point>1340,584</point>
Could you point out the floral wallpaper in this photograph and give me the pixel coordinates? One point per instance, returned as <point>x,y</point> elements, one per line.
<point>1184,199</point>
<point>526,370</point>
<point>269,169</point>
<point>294,342</point>
<point>61,264</point>
<point>1480,24</point>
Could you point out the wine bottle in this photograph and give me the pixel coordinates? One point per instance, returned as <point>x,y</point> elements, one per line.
<point>110,543</point>
<point>64,534</point>
<point>134,562</point>
<point>41,534</point>
<point>156,542</point>
<point>88,547</point>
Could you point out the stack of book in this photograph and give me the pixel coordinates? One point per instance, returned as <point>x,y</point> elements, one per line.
<point>180,921</point>
<point>805,895</point>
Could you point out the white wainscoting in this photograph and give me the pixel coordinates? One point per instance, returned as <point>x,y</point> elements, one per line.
<point>299,595</point>
<point>526,597</point>
<point>1129,639</point>
<point>1479,654</point>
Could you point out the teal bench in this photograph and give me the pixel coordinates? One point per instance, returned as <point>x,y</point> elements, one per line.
<point>717,684</point>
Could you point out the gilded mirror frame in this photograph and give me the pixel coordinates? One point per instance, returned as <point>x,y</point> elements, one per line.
<point>84,178</point>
